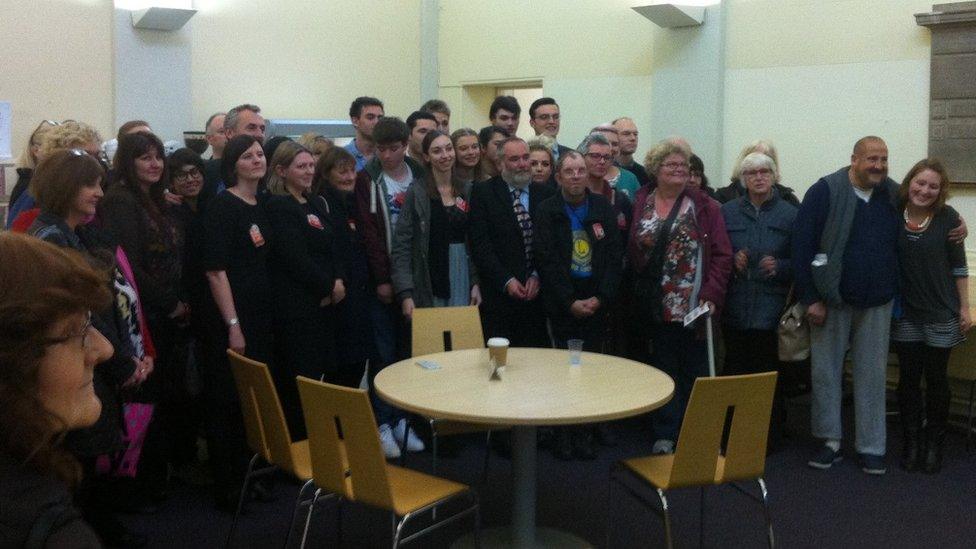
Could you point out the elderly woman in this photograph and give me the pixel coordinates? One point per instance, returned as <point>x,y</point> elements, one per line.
<point>759,225</point>
<point>933,278</point>
<point>735,188</point>
<point>305,278</point>
<point>48,351</point>
<point>681,257</point>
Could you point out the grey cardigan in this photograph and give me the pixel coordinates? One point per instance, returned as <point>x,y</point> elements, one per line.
<point>411,242</point>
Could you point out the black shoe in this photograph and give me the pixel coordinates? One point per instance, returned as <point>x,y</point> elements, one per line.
<point>583,444</point>
<point>262,490</point>
<point>605,435</point>
<point>563,446</point>
<point>935,437</point>
<point>911,452</point>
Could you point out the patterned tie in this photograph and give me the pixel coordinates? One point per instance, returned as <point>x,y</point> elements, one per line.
<point>525,223</point>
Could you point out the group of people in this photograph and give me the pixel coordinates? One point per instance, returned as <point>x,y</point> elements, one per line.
<point>312,258</point>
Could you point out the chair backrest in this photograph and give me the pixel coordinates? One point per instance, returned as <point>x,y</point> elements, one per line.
<point>264,420</point>
<point>749,398</point>
<point>344,444</point>
<point>461,324</point>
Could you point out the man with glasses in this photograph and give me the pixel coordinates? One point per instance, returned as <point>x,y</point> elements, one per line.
<point>627,131</point>
<point>380,191</point>
<point>621,180</point>
<point>544,119</point>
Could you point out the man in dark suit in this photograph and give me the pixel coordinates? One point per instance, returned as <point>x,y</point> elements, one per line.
<point>501,232</point>
<point>544,119</point>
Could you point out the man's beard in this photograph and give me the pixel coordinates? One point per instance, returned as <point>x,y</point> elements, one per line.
<point>517,179</point>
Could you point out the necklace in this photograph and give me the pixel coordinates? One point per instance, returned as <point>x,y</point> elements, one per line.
<point>916,227</point>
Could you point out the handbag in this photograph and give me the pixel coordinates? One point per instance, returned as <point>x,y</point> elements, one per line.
<point>125,462</point>
<point>648,302</point>
<point>793,331</point>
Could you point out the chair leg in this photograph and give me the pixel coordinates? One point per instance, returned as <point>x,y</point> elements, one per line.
<point>765,502</point>
<point>666,519</point>
<point>298,505</point>
<point>240,500</point>
<point>398,528</point>
<point>308,518</point>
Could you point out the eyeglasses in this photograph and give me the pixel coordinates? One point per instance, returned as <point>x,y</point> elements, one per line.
<point>83,334</point>
<point>184,176</point>
<point>596,157</point>
<point>753,173</point>
<point>675,166</point>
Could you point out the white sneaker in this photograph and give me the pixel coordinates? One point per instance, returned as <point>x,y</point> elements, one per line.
<point>663,446</point>
<point>390,446</point>
<point>414,444</point>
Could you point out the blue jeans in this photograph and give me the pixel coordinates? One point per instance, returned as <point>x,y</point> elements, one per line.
<point>866,330</point>
<point>384,328</point>
<point>679,353</point>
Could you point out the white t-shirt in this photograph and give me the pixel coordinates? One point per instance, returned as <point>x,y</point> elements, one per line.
<point>864,195</point>
<point>396,190</point>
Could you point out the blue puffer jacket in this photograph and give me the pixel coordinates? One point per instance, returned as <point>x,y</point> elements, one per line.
<point>754,300</point>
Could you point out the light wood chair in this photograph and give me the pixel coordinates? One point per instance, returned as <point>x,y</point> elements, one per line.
<point>267,433</point>
<point>347,460</point>
<point>439,329</point>
<point>698,460</point>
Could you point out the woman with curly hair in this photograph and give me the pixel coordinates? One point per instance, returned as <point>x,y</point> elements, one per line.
<point>48,352</point>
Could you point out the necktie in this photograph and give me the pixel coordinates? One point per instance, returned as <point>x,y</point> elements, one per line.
<point>525,223</point>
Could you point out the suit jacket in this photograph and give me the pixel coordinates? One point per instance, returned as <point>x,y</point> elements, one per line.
<point>496,237</point>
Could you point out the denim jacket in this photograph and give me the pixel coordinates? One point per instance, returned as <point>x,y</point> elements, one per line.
<point>755,300</point>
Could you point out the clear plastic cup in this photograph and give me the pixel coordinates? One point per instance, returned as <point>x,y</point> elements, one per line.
<point>575,347</point>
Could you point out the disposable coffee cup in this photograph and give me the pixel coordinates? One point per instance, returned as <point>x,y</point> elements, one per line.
<point>575,347</point>
<point>498,350</point>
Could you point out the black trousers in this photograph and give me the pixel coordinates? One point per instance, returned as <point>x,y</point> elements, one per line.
<point>523,323</point>
<point>752,352</point>
<point>303,347</point>
<point>916,360</point>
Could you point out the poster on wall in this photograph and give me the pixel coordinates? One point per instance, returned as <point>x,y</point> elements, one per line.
<point>4,130</point>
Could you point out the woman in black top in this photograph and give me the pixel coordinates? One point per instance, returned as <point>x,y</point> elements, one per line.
<point>304,277</point>
<point>239,315</point>
<point>935,310</point>
<point>335,179</point>
<point>431,266</point>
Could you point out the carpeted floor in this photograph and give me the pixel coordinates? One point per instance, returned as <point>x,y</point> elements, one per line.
<point>841,507</point>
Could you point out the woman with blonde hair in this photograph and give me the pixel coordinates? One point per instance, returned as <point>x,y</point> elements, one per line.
<point>28,159</point>
<point>305,277</point>
<point>48,353</point>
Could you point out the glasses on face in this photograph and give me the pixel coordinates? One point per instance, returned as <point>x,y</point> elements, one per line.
<point>759,172</point>
<point>675,166</point>
<point>597,157</point>
<point>186,175</point>
<point>82,333</point>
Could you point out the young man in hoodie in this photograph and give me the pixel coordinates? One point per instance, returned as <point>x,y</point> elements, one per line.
<point>380,190</point>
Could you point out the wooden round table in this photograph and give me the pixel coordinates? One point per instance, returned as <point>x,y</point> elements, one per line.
<point>538,387</point>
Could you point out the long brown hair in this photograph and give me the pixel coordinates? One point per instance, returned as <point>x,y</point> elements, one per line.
<point>457,187</point>
<point>936,166</point>
<point>58,284</point>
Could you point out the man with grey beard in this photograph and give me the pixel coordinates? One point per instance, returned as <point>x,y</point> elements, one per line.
<point>501,230</point>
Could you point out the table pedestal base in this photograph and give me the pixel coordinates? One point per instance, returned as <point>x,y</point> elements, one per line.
<point>545,538</point>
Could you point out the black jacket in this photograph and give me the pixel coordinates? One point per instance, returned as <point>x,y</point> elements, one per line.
<point>554,250</point>
<point>38,511</point>
<point>496,238</point>
<point>303,264</point>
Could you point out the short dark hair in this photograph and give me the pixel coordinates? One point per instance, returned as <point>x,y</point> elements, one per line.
<point>390,129</point>
<point>129,126</point>
<point>419,115</point>
<point>356,109</point>
<point>484,136</point>
<point>540,102</point>
<point>436,105</point>
<point>506,102</point>
<point>183,157</point>
<point>336,156</point>
<point>235,148</point>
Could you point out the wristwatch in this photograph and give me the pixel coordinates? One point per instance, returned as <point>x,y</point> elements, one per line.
<point>233,322</point>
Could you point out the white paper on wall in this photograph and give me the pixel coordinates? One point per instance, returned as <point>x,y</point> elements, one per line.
<point>4,130</point>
